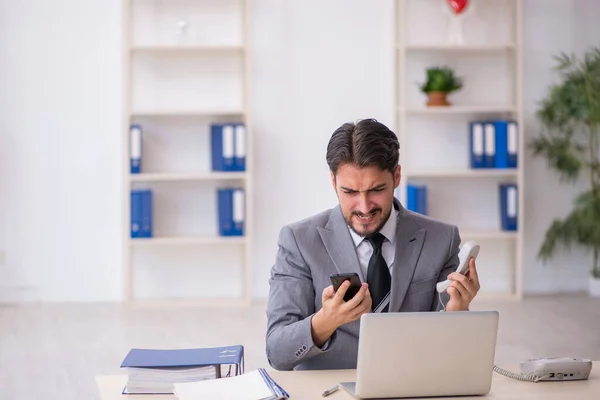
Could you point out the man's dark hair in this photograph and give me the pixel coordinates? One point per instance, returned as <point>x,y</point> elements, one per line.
<point>364,143</point>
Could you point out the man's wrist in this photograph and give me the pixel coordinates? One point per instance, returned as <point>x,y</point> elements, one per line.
<point>321,329</point>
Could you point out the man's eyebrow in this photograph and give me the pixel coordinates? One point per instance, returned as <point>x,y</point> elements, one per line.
<point>381,186</point>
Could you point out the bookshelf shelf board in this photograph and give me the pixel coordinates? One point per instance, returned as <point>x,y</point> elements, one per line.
<point>186,48</point>
<point>464,173</point>
<point>154,241</point>
<point>459,109</point>
<point>197,176</point>
<point>188,113</point>
<point>449,48</point>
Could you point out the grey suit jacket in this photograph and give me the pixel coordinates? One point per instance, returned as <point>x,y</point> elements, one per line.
<point>312,249</point>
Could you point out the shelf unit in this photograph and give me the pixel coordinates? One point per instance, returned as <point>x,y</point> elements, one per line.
<point>185,66</point>
<point>435,140</point>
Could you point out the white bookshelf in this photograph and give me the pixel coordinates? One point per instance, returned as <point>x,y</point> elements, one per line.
<point>460,109</point>
<point>185,67</point>
<point>188,176</point>
<point>435,140</point>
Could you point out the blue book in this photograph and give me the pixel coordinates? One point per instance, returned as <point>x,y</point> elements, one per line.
<point>490,145</point>
<point>175,358</point>
<point>239,163</point>
<point>141,213</point>
<point>416,197</point>
<point>155,371</point>
<point>136,213</point>
<point>477,143</point>
<point>135,148</point>
<point>509,206</point>
<point>501,133</point>
<point>231,211</point>
<point>222,142</point>
<point>507,143</point>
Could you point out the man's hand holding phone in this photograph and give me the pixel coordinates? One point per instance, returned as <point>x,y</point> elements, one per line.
<point>337,312</point>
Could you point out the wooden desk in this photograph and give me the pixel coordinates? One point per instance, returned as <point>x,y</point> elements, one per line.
<point>305,385</point>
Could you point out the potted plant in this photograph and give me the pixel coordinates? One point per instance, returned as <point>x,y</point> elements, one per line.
<point>570,142</point>
<point>440,82</point>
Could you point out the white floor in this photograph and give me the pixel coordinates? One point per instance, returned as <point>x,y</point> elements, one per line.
<point>54,351</point>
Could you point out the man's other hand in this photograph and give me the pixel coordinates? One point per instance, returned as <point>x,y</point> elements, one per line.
<point>463,288</point>
<point>337,312</point>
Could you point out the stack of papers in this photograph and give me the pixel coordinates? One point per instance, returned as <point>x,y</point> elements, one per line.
<point>255,385</point>
<point>153,371</point>
<point>161,380</point>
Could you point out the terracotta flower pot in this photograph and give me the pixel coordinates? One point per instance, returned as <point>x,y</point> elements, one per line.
<point>438,99</point>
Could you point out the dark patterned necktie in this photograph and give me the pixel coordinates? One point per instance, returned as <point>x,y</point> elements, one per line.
<point>378,273</point>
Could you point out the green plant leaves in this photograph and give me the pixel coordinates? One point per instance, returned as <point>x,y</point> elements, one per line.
<point>570,143</point>
<point>561,155</point>
<point>580,228</point>
<point>441,79</point>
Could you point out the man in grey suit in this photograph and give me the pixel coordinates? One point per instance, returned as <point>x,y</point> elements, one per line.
<point>393,250</point>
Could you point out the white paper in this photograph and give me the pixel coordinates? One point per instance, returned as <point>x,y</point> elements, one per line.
<point>248,386</point>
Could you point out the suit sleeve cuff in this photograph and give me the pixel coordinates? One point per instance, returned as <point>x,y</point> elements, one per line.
<point>327,345</point>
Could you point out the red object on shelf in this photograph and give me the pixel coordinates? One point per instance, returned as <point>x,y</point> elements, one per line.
<point>458,5</point>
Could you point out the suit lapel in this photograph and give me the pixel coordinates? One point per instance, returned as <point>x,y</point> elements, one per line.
<point>339,244</point>
<point>409,242</point>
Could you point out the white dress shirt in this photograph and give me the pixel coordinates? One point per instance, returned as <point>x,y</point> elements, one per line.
<point>364,249</point>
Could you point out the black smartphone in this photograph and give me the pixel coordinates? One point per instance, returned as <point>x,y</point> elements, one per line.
<point>355,284</point>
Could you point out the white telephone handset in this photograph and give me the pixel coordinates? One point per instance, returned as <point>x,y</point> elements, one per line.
<point>551,369</point>
<point>467,251</point>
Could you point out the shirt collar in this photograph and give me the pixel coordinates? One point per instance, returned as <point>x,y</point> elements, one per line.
<point>388,230</point>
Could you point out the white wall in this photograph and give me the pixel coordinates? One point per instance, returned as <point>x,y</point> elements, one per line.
<point>60,130</point>
<point>60,105</point>
<point>317,64</point>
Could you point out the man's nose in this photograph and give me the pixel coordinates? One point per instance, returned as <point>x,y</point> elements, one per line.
<point>363,204</point>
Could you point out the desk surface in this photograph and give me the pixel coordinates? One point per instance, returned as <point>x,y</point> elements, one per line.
<point>303,385</point>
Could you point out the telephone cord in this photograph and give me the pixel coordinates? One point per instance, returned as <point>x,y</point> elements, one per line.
<point>521,377</point>
<point>501,371</point>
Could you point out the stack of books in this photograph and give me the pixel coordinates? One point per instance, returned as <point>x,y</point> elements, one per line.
<point>155,371</point>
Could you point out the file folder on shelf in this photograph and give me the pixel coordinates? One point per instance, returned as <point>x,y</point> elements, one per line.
<point>135,148</point>
<point>231,210</point>
<point>509,206</point>
<point>228,147</point>
<point>490,145</point>
<point>141,213</point>
<point>416,196</point>
<point>506,144</point>
<point>156,371</point>
<point>240,148</point>
<point>477,143</point>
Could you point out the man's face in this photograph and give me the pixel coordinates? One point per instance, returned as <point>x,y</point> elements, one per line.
<point>366,196</point>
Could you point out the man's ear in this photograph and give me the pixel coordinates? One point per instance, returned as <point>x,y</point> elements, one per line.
<point>397,176</point>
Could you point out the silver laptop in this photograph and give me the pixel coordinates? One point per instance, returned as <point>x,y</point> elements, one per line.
<point>425,354</point>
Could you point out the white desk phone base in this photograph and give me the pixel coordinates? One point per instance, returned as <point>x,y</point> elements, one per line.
<point>533,370</point>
